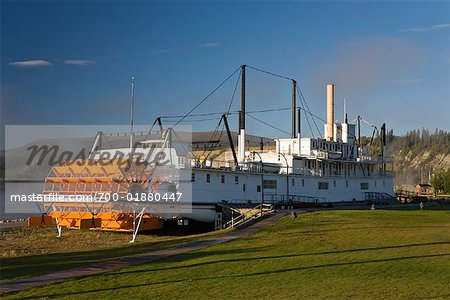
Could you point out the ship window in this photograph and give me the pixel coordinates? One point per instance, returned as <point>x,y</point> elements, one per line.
<point>303,182</point>
<point>383,183</point>
<point>208,177</point>
<point>258,189</point>
<point>193,177</point>
<point>334,183</point>
<point>180,161</point>
<point>236,179</point>
<point>346,183</point>
<point>243,187</point>
<point>293,182</point>
<point>364,185</point>
<point>222,178</point>
<point>375,183</point>
<point>270,184</point>
<point>323,185</point>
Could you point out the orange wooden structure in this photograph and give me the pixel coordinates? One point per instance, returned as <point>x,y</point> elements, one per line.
<point>87,179</point>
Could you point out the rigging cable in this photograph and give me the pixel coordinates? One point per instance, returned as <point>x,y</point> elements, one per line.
<point>307,120</point>
<point>269,73</point>
<point>301,96</point>
<point>212,142</point>
<point>183,144</point>
<point>227,113</point>
<point>207,97</point>
<point>201,120</point>
<point>268,110</point>
<point>233,112</point>
<point>267,124</point>
<point>234,93</point>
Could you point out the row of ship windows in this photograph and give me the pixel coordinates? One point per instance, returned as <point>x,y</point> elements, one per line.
<point>222,178</point>
<point>272,184</point>
<point>330,146</point>
<point>267,183</point>
<point>363,185</point>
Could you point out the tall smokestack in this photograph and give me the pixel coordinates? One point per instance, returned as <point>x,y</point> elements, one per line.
<point>330,112</point>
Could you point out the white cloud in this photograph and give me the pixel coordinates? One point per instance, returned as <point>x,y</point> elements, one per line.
<point>160,51</point>
<point>424,29</point>
<point>406,81</point>
<point>79,62</point>
<point>208,45</point>
<point>440,26</point>
<point>31,63</point>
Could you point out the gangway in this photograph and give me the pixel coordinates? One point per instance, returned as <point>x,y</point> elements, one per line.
<point>242,215</point>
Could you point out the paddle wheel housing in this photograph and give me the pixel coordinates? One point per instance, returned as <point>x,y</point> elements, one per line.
<point>108,183</point>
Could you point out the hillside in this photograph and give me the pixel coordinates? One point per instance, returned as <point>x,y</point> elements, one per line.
<point>418,155</point>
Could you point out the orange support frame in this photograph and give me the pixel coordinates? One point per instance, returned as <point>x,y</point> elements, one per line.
<point>105,221</point>
<point>87,178</point>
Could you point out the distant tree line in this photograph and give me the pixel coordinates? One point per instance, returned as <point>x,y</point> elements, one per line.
<point>415,141</point>
<point>421,140</point>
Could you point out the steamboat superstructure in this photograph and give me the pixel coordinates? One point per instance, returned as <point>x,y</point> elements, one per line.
<point>298,170</point>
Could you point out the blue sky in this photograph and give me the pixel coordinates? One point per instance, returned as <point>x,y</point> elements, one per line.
<point>71,62</point>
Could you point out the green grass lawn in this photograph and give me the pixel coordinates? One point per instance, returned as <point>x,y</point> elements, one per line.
<point>332,255</point>
<point>34,251</point>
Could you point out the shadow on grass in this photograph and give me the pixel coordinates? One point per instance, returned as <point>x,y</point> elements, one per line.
<point>200,254</point>
<point>433,207</point>
<point>15,267</point>
<point>264,273</point>
<point>373,227</point>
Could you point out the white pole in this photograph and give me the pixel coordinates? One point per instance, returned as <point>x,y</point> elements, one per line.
<point>241,146</point>
<point>132,112</point>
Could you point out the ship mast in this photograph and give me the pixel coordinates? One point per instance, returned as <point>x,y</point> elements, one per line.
<point>294,105</point>
<point>345,111</point>
<point>241,143</point>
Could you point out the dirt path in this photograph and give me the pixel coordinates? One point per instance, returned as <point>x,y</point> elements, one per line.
<point>116,264</point>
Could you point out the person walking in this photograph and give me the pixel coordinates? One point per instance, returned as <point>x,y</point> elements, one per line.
<point>293,216</point>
